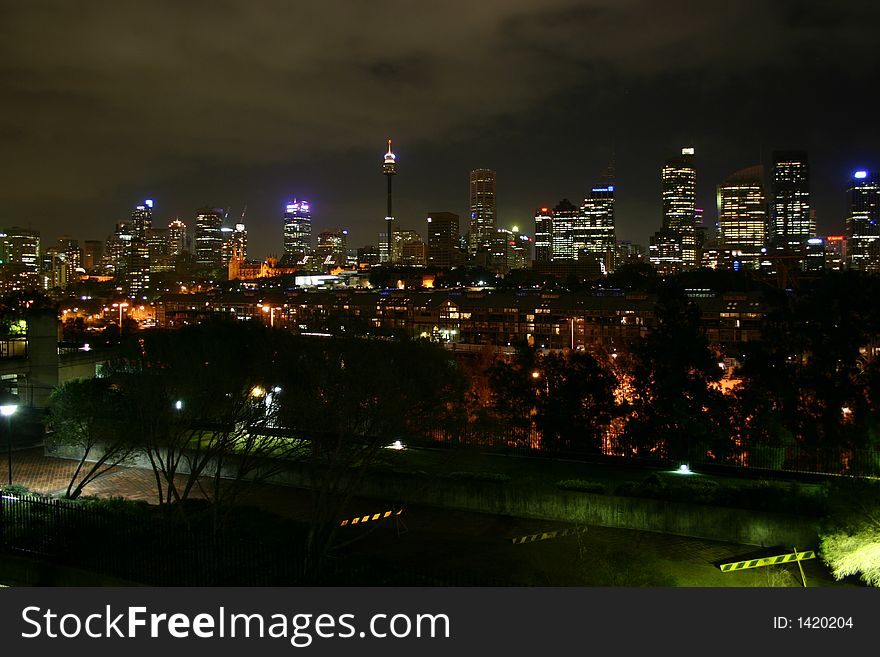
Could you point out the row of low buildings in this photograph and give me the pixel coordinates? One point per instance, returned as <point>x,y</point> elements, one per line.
<point>607,320</point>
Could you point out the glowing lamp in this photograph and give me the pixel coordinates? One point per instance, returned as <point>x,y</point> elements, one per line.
<point>860,174</point>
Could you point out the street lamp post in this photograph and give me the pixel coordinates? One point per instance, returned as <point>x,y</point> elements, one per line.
<point>7,409</point>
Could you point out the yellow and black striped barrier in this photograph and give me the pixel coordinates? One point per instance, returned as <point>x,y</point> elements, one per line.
<point>370,517</point>
<point>768,561</point>
<point>543,536</point>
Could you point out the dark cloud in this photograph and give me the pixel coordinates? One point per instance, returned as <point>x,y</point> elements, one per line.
<point>104,102</point>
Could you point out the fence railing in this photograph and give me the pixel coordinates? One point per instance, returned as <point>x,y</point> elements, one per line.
<point>153,549</point>
<point>528,441</point>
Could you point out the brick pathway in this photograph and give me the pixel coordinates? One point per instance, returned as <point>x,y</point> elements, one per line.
<point>50,476</point>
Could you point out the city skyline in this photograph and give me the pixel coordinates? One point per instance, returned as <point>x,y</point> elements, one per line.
<point>118,106</point>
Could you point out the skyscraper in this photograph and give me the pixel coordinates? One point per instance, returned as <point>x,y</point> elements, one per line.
<point>543,235</point>
<point>93,251</point>
<point>679,194</point>
<point>208,240</point>
<point>176,238</point>
<point>562,222</point>
<point>594,230</point>
<point>332,248</point>
<point>791,222</point>
<point>389,170</point>
<point>297,231</point>
<point>141,219</point>
<point>483,210</point>
<point>443,239</point>
<point>742,215</point>
<point>863,222</point>
<point>21,258</point>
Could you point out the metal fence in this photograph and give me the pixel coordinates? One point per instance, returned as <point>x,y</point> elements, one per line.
<point>148,547</point>
<point>528,441</point>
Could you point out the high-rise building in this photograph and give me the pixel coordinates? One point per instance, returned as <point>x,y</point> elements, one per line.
<point>367,256</point>
<point>93,252</point>
<point>629,253</point>
<point>208,239</point>
<point>142,219</point>
<point>297,231</point>
<point>679,195</point>
<point>332,250</point>
<point>863,222</point>
<point>234,242</point>
<point>835,252</point>
<point>137,271</point>
<point>54,268</point>
<point>443,240</point>
<point>20,258</point>
<point>791,221</point>
<point>562,222</point>
<point>543,235</point>
<point>510,250</point>
<point>483,215</point>
<point>593,230</point>
<point>665,252</point>
<point>389,170</point>
<point>408,248</point>
<point>742,215</point>
<point>176,238</point>
<point>240,241</point>
<point>72,256</point>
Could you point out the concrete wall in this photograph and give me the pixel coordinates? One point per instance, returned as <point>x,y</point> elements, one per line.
<point>694,520</point>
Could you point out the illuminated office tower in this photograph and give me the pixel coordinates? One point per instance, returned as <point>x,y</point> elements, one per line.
<point>408,248</point>
<point>543,235</point>
<point>593,230</point>
<point>443,240</point>
<point>562,222</point>
<point>141,219</point>
<point>234,242</point>
<point>332,248</point>
<point>297,231</point>
<point>483,210</point>
<point>208,239</point>
<point>72,256</point>
<point>742,215</point>
<point>835,252</point>
<point>791,222</point>
<point>137,271</point>
<point>21,258</point>
<point>679,195</point>
<point>665,252</point>
<point>863,222</point>
<point>176,238</point>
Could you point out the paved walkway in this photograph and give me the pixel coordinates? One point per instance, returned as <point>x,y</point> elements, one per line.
<point>51,476</point>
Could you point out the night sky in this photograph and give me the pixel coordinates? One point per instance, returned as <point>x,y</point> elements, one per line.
<point>234,102</point>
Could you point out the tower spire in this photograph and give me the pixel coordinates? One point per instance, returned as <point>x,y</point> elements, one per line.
<point>389,169</point>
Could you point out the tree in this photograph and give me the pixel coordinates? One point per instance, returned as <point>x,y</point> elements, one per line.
<point>202,405</point>
<point>575,401</point>
<point>87,415</point>
<point>677,410</point>
<point>850,544</point>
<point>514,386</point>
<point>348,400</point>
